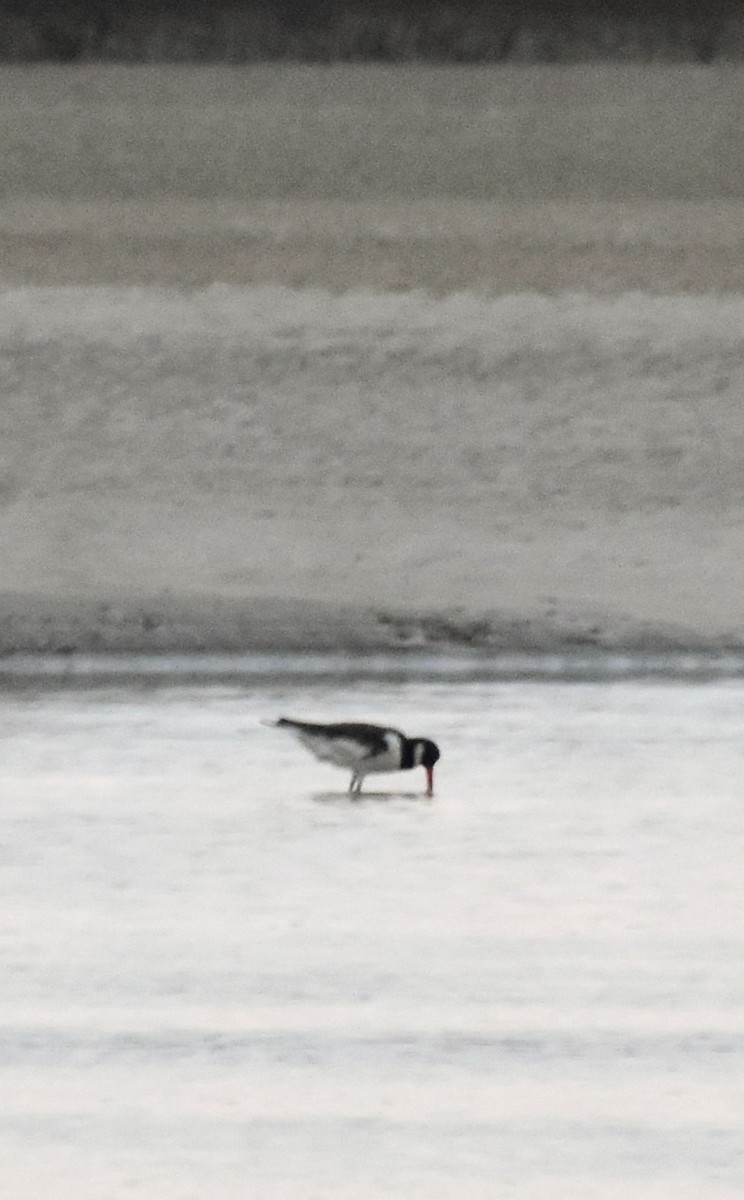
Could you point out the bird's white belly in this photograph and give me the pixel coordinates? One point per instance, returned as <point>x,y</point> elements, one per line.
<point>345,752</point>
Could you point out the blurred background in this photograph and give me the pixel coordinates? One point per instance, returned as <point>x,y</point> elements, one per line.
<point>414,308</point>
<point>456,31</point>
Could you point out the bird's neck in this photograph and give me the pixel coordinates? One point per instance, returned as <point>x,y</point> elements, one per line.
<point>406,755</point>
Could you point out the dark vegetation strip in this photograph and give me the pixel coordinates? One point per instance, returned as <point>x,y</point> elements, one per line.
<point>444,31</point>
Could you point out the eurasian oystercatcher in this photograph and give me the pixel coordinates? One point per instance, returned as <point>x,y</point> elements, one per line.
<point>364,749</point>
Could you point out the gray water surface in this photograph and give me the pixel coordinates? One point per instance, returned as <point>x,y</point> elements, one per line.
<point>221,978</point>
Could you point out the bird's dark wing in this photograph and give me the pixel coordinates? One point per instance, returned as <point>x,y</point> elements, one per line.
<point>370,738</point>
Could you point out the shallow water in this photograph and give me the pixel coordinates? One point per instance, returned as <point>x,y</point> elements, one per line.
<point>222,978</point>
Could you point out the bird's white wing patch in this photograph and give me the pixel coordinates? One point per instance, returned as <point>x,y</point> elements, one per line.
<point>342,752</point>
<point>389,760</point>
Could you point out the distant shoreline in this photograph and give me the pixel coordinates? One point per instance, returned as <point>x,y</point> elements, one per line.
<point>210,625</point>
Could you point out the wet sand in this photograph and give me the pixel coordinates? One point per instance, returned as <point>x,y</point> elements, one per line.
<point>443,357</point>
<point>218,968</point>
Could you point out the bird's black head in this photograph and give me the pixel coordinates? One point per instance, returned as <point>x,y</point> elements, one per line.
<point>430,752</point>
<point>426,754</point>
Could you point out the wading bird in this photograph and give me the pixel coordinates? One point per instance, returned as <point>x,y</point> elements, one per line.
<point>364,749</point>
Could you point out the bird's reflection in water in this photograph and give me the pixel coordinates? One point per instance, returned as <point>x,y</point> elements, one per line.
<point>368,797</point>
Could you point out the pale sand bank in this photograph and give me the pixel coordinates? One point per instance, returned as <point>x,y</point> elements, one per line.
<point>458,419</point>
<point>264,468</point>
